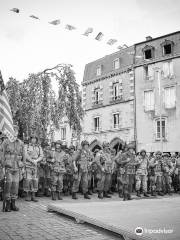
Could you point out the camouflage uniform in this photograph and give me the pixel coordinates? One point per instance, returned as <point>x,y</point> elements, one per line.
<point>34,154</point>
<point>57,172</point>
<point>48,156</point>
<point>141,174</point>
<point>156,175</point>
<point>167,168</point>
<point>81,160</point>
<point>13,160</point>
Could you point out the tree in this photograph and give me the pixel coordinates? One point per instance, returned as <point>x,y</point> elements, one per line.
<point>36,107</point>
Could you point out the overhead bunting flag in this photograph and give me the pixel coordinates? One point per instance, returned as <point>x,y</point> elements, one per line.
<point>99,36</point>
<point>16,10</point>
<point>88,31</point>
<point>32,16</point>
<point>111,41</point>
<point>55,22</point>
<point>6,122</point>
<point>70,27</point>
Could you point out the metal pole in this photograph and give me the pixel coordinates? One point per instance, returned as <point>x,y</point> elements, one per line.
<point>160,110</point>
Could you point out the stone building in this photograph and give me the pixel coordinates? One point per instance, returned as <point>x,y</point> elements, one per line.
<point>108,100</point>
<point>157,90</point>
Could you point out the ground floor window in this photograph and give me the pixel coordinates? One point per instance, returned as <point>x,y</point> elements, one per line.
<point>161,128</point>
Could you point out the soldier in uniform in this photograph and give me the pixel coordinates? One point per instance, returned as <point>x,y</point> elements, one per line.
<point>47,169</point>
<point>141,173</point>
<point>126,172</point>
<point>13,160</point>
<point>68,177</point>
<point>177,174</point>
<point>80,164</point>
<point>34,155</point>
<point>156,175</point>
<point>58,171</point>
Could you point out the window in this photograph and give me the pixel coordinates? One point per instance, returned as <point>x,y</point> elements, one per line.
<point>98,70</point>
<point>170,97</point>
<point>96,124</point>
<point>97,95</point>
<point>116,120</point>
<point>116,64</point>
<point>63,133</point>
<point>115,91</point>
<point>148,72</point>
<point>160,129</point>
<point>148,52</point>
<point>149,100</point>
<point>168,70</point>
<point>167,49</point>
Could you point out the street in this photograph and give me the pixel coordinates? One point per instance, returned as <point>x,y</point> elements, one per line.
<point>33,221</point>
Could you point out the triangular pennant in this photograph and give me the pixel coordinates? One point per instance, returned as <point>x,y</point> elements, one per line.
<point>32,16</point>
<point>55,22</point>
<point>111,41</point>
<point>70,27</point>
<point>16,10</point>
<point>99,36</point>
<point>88,31</point>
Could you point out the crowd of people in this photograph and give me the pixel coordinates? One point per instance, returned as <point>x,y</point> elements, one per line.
<point>52,170</point>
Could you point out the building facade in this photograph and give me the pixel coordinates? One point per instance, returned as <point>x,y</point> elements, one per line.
<point>108,100</point>
<point>157,90</point>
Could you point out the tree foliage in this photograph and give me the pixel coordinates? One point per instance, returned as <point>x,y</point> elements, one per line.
<point>36,107</point>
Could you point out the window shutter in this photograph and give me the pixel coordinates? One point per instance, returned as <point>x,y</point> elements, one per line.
<point>171,68</point>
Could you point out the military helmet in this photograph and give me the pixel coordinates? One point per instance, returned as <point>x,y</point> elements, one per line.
<point>165,154</point>
<point>143,150</point>
<point>58,142</point>
<point>158,153</point>
<point>33,135</point>
<point>130,146</point>
<point>84,142</point>
<point>71,147</point>
<point>105,144</point>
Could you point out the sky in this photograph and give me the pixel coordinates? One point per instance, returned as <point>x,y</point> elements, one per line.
<point>30,46</point>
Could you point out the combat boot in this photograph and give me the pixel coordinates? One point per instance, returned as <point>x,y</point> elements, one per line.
<point>74,195</point>
<point>90,192</point>
<point>33,197</point>
<point>106,195</point>
<point>13,206</point>
<point>110,192</point>
<point>120,194</point>
<point>153,193</point>
<point>125,197</point>
<point>145,194</point>
<point>60,196</point>
<point>8,206</point>
<point>129,197</point>
<point>86,196</point>
<point>53,195</point>
<point>28,196</point>
<point>138,194</point>
<point>160,194</point>
<point>100,195</point>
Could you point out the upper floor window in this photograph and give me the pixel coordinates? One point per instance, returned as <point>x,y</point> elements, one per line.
<point>99,70</point>
<point>116,64</point>
<point>96,124</point>
<point>161,128</point>
<point>170,97</point>
<point>149,100</point>
<point>115,91</point>
<point>148,52</point>
<point>116,120</point>
<point>63,133</point>
<point>168,69</point>
<point>97,95</point>
<point>167,47</point>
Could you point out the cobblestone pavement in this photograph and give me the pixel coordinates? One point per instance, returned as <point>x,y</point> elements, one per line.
<point>34,222</point>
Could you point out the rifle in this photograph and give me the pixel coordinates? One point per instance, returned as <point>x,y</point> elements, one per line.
<point>4,188</point>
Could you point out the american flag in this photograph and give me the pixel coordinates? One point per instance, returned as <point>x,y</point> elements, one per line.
<point>6,122</point>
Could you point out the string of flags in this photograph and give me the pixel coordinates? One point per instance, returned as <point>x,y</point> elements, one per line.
<point>69,27</point>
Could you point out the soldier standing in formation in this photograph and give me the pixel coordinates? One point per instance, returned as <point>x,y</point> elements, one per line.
<point>80,163</point>
<point>34,155</point>
<point>1,168</point>
<point>58,171</point>
<point>13,159</point>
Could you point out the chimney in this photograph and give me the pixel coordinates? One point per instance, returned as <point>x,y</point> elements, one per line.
<point>148,38</point>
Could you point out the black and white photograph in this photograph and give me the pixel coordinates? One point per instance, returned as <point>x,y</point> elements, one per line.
<point>89,120</point>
